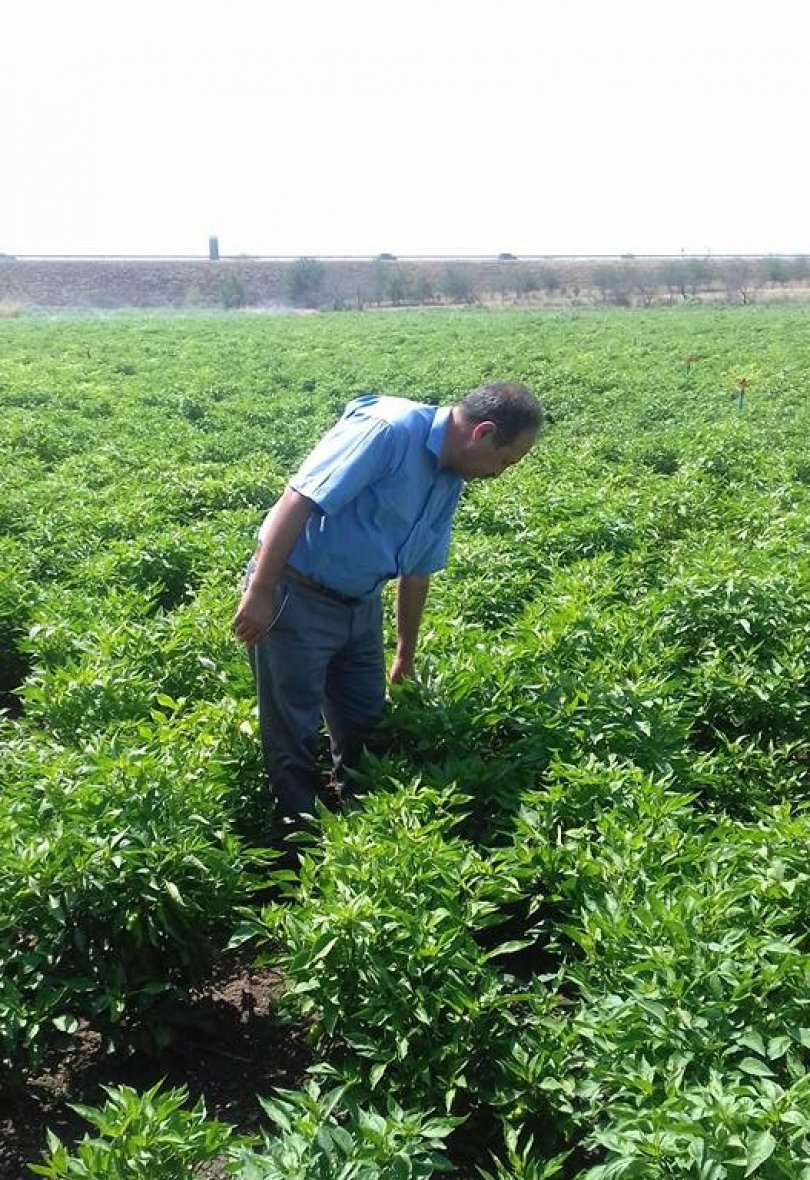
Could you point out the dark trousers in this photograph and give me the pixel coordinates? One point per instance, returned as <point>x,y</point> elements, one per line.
<point>318,659</point>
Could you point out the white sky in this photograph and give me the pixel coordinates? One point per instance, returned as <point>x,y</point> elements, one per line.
<point>411,126</point>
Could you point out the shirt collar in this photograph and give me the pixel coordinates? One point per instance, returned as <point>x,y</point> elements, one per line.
<point>435,437</point>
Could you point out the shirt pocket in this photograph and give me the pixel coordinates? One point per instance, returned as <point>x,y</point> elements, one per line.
<point>424,550</point>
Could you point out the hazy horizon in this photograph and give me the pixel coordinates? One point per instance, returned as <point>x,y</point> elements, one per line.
<point>243,257</point>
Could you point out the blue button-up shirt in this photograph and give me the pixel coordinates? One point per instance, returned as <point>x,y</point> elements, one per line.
<point>383,507</point>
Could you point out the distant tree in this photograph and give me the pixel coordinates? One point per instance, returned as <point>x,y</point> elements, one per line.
<point>424,290</point>
<point>697,273</point>
<point>334,296</point>
<point>397,287</point>
<point>549,280</point>
<point>684,276</point>
<point>738,277</point>
<point>800,268</point>
<point>391,283</point>
<point>775,271</point>
<point>646,285</point>
<point>602,279</point>
<point>674,276</point>
<point>624,280</point>
<point>231,292</point>
<point>456,285</point>
<point>615,283</point>
<point>503,281</point>
<point>526,281</point>
<point>379,281</point>
<point>304,282</point>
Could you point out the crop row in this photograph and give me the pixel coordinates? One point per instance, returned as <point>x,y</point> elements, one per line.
<point>571,914</point>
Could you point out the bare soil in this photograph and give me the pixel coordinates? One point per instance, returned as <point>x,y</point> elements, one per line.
<point>228,1048</point>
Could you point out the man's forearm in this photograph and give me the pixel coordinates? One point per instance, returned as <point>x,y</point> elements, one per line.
<point>412,595</point>
<point>285,525</point>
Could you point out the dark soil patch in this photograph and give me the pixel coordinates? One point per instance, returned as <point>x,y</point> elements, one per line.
<point>228,1047</point>
<point>14,668</point>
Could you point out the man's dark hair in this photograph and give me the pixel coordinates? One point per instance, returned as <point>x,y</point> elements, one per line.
<point>512,407</point>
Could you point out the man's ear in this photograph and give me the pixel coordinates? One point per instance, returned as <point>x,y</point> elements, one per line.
<point>481,430</point>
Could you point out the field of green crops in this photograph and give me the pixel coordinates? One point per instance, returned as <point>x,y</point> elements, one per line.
<point>567,933</point>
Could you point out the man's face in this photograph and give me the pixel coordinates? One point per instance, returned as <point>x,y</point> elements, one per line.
<point>482,459</point>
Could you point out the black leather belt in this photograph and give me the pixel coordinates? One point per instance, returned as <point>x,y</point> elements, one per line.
<point>294,576</point>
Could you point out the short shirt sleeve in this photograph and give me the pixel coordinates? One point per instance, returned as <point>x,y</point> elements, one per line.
<point>353,454</point>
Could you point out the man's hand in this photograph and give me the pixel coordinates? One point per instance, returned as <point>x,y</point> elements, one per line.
<point>412,592</point>
<point>283,527</point>
<point>401,669</point>
<point>254,615</point>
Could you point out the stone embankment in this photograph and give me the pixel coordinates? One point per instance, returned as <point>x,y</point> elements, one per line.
<point>76,283</point>
<point>267,283</point>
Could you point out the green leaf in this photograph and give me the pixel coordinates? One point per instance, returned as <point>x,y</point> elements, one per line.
<point>509,948</point>
<point>778,1047</point>
<point>325,1143</point>
<point>755,1067</point>
<point>324,946</point>
<point>753,1040</point>
<point>66,1024</point>
<point>760,1148</point>
<point>401,1168</point>
<point>343,1140</point>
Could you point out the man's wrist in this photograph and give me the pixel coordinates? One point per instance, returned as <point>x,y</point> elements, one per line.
<point>264,586</point>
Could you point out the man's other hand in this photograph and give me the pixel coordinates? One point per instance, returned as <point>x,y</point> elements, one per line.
<point>253,616</point>
<point>401,669</point>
